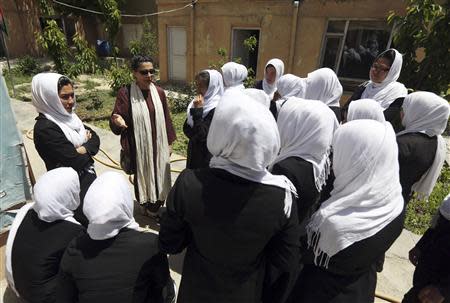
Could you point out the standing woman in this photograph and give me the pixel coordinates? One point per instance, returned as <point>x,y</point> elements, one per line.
<point>142,119</point>
<point>306,132</point>
<point>234,218</point>
<point>359,222</point>
<point>40,234</point>
<point>422,149</point>
<point>365,109</point>
<point>383,87</point>
<point>234,75</point>
<point>323,85</point>
<point>200,113</point>
<point>60,137</point>
<point>272,72</point>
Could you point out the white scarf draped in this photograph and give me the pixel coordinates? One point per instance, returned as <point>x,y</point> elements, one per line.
<point>323,85</point>
<point>427,113</point>
<point>291,86</point>
<point>212,95</point>
<point>234,75</point>
<point>56,196</point>
<point>270,89</point>
<point>389,90</point>
<point>258,95</point>
<point>148,182</point>
<point>108,206</point>
<point>306,131</point>
<point>367,194</point>
<point>365,109</point>
<point>45,98</point>
<point>244,140</point>
<point>444,209</point>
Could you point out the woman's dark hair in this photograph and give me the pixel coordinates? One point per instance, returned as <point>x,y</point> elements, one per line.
<point>388,55</point>
<point>63,81</point>
<point>270,65</point>
<point>203,76</point>
<point>137,60</point>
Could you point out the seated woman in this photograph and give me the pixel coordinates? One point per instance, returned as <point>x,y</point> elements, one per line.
<point>200,113</point>
<point>234,218</point>
<point>323,85</point>
<point>306,132</point>
<point>234,75</point>
<point>421,148</point>
<point>359,222</point>
<point>383,87</point>
<point>365,109</point>
<point>431,256</point>
<point>40,234</point>
<point>60,137</point>
<point>114,261</point>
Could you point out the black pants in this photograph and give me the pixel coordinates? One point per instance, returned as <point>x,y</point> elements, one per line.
<point>86,179</point>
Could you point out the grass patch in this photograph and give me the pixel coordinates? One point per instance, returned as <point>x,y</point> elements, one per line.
<point>180,145</point>
<point>420,213</point>
<point>17,78</point>
<point>95,105</point>
<point>89,85</point>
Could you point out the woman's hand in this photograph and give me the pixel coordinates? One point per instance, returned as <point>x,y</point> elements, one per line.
<point>430,294</point>
<point>81,150</point>
<point>199,101</point>
<point>119,121</point>
<point>88,135</point>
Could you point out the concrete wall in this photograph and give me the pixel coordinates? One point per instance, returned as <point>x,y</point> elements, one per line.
<point>22,18</point>
<point>214,20</point>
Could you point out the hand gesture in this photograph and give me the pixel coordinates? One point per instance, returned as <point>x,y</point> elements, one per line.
<point>88,135</point>
<point>199,101</point>
<point>119,121</point>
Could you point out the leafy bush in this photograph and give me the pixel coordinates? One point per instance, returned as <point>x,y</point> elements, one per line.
<point>53,40</point>
<point>28,65</point>
<point>119,76</point>
<point>419,213</point>
<point>148,44</point>
<point>179,103</point>
<point>86,60</point>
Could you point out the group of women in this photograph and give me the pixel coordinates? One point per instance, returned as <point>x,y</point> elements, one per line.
<point>287,196</point>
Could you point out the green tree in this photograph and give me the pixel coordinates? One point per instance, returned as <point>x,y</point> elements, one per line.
<point>148,44</point>
<point>425,26</point>
<point>53,40</point>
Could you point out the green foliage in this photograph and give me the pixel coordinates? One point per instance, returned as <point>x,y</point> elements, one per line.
<point>180,145</point>
<point>425,26</point>
<point>86,60</point>
<point>223,54</point>
<point>250,43</point>
<point>148,44</point>
<point>53,40</point>
<point>420,213</point>
<point>46,8</point>
<point>251,78</point>
<point>28,65</point>
<point>111,19</point>
<point>119,76</point>
<point>178,102</point>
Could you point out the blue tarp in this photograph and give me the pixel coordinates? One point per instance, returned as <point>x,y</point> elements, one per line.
<point>14,185</point>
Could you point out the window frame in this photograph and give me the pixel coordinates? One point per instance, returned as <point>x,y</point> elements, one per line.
<point>342,42</point>
<point>250,28</point>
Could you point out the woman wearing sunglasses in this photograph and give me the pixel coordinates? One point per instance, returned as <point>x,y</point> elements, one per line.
<point>60,137</point>
<point>142,119</point>
<point>383,87</point>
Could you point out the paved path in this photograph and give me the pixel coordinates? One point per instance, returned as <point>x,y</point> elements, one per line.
<point>394,281</point>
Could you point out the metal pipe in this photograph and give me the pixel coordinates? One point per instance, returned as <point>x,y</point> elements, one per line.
<point>293,37</point>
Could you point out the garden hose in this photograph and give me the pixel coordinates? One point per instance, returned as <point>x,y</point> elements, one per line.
<point>115,164</point>
<point>386,298</point>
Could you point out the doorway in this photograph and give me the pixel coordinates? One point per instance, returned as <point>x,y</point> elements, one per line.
<point>177,53</point>
<point>240,49</point>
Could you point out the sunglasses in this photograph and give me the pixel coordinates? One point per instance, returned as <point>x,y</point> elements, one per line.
<point>145,72</point>
<point>67,96</point>
<point>379,67</point>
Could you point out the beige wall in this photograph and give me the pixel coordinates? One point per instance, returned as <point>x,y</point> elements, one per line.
<point>22,18</point>
<point>214,21</point>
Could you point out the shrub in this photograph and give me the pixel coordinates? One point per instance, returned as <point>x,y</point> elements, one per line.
<point>119,76</point>
<point>86,60</point>
<point>147,45</point>
<point>179,103</point>
<point>28,65</point>
<point>419,213</point>
<point>53,40</point>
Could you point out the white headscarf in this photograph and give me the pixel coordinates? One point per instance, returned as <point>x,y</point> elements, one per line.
<point>108,205</point>
<point>56,196</point>
<point>291,86</point>
<point>212,96</point>
<point>258,95</point>
<point>389,90</point>
<point>444,209</point>
<point>45,98</point>
<point>427,113</point>
<point>234,75</point>
<point>270,89</point>
<point>365,109</point>
<point>243,139</point>
<point>323,84</point>
<point>367,194</point>
<point>306,131</point>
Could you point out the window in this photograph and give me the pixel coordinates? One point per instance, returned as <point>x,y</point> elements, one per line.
<point>350,46</point>
<point>247,57</point>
